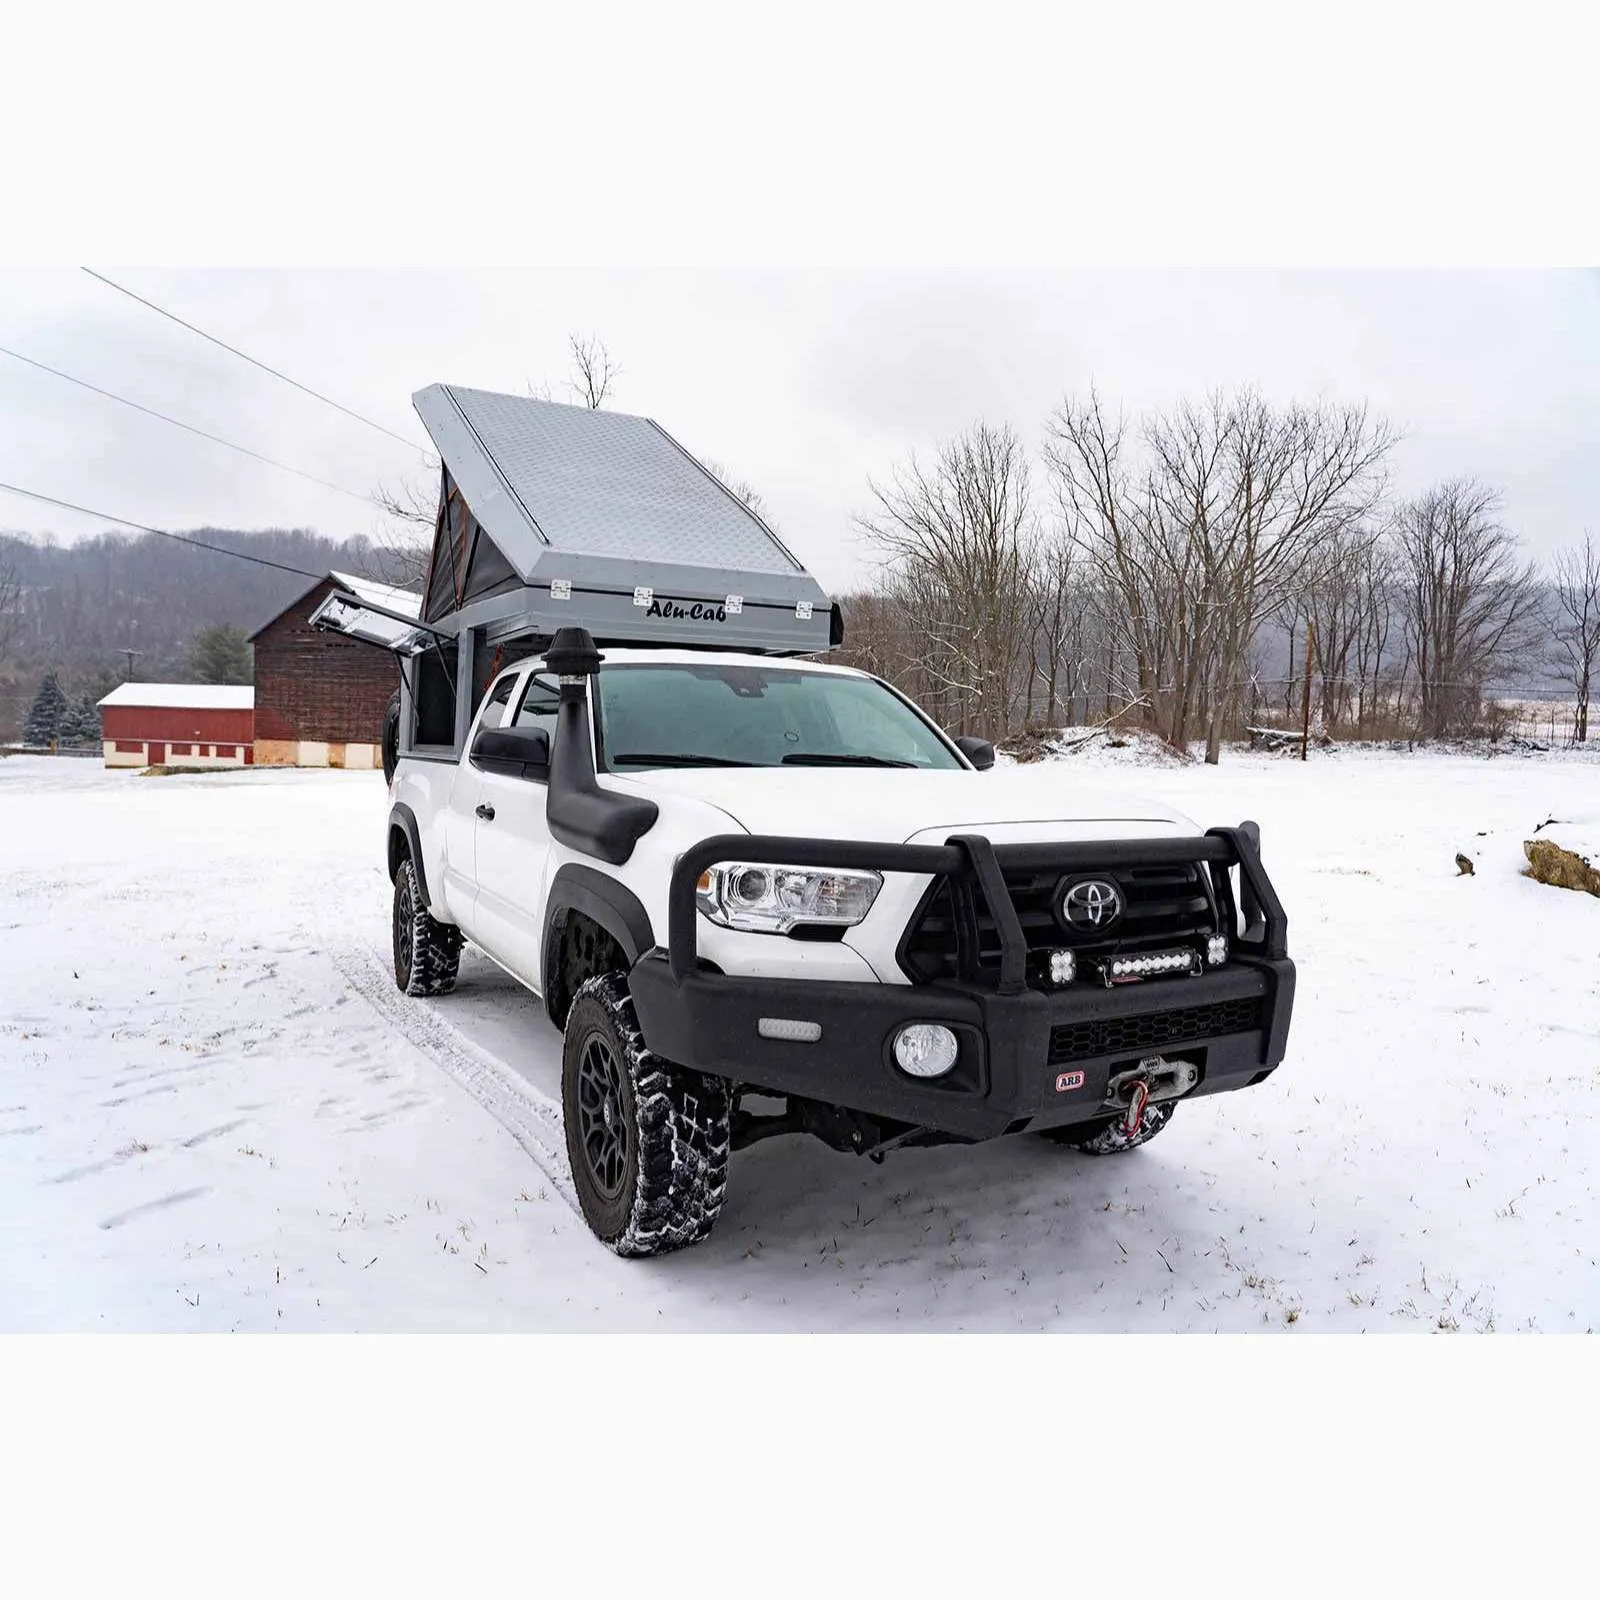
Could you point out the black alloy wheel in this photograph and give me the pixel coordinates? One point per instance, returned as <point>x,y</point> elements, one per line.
<point>603,1128</point>
<point>405,915</point>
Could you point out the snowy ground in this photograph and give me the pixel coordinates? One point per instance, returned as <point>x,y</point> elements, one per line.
<point>216,1112</point>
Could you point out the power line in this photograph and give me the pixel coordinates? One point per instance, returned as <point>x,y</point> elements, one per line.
<point>161,416</point>
<point>283,376</point>
<point>125,522</point>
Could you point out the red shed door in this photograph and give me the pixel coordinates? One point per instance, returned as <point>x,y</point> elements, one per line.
<point>158,754</point>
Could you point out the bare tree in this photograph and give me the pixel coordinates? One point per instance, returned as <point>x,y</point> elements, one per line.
<point>10,605</point>
<point>1346,604</point>
<point>740,488</point>
<point>1375,604</point>
<point>1467,601</point>
<point>1204,522</point>
<point>595,372</point>
<point>1105,515</point>
<point>959,539</point>
<point>1576,579</point>
<point>401,548</point>
<point>1057,666</point>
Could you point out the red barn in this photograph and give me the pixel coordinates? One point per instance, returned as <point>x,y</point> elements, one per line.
<point>178,725</point>
<point>320,697</point>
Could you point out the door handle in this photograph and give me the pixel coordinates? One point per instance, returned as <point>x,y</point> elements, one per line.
<point>487,813</point>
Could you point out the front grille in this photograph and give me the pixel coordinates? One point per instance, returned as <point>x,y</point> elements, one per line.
<point>1165,907</point>
<point>1109,1036</point>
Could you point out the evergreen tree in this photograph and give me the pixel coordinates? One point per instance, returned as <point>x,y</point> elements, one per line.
<point>83,725</point>
<point>47,716</point>
<point>221,655</point>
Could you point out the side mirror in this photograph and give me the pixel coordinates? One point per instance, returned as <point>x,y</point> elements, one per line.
<point>516,752</point>
<point>978,751</point>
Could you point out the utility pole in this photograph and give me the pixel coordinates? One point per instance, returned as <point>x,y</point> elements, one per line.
<point>1305,710</point>
<point>130,654</point>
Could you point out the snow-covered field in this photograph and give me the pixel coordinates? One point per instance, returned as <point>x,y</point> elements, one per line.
<point>217,1113</point>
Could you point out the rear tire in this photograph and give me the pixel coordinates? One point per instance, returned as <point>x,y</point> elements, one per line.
<point>1105,1135</point>
<point>427,953</point>
<point>391,737</point>
<point>648,1141</point>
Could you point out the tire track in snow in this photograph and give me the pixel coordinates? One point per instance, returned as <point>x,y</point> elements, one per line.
<point>175,1199</point>
<point>532,1119</point>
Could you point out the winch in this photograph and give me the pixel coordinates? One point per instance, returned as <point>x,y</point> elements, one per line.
<point>1153,1080</point>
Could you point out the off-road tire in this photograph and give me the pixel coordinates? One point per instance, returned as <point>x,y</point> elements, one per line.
<point>668,1179</point>
<point>1105,1135</point>
<point>427,953</point>
<point>391,737</point>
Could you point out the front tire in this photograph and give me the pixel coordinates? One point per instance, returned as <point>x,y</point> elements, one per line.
<point>648,1141</point>
<point>427,953</point>
<point>1108,1136</point>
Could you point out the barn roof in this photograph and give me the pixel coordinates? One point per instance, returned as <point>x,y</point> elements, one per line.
<point>378,594</point>
<point>184,696</point>
<point>386,595</point>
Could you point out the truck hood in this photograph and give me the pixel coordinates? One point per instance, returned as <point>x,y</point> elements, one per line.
<point>1011,805</point>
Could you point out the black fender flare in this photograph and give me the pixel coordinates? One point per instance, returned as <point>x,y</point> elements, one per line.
<point>604,901</point>
<point>403,834</point>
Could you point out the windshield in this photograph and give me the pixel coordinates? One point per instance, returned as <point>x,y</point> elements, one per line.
<point>743,716</point>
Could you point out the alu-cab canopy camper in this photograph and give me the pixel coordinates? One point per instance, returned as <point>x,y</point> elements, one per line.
<point>554,516</point>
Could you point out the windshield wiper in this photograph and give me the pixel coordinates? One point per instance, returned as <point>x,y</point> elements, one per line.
<point>647,759</point>
<point>818,758</point>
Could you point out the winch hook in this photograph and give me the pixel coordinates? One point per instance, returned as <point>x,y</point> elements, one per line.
<point>1139,1099</point>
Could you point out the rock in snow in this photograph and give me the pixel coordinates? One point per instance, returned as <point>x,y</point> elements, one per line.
<point>1550,863</point>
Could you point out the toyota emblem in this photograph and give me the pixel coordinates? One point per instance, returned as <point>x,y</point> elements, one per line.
<point>1091,905</point>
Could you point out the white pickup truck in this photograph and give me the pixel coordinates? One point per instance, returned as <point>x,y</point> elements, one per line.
<point>735,877</point>
<point>759,894</point>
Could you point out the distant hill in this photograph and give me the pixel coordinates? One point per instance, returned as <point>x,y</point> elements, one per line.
<point>83,604</point>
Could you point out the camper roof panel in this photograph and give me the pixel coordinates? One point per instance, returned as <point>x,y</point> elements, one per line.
<point>545,477</point>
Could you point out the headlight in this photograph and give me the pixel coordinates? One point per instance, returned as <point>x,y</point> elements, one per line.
<point>763,899</point>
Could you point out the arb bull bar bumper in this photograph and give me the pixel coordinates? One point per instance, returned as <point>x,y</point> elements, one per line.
<point>1027,1056</point>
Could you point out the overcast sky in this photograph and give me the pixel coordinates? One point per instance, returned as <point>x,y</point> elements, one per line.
<point>803,383</point>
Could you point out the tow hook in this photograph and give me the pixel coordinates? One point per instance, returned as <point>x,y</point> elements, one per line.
<point>1153,1080</point>
<point>1141,1098</point>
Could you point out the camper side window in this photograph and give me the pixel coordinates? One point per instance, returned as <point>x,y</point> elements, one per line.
<point>435,699</point>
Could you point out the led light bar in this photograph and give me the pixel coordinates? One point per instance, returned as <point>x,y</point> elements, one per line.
<point>1151,964</point>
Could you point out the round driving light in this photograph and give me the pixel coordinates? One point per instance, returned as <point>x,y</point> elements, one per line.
<point>925,1049</point>
<point>750,885</point>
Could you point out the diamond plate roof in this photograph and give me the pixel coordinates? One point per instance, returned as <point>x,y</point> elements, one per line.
<point>544,477</point>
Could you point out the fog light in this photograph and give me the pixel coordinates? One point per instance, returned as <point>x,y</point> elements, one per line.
<point>1063,966</point>
<point>1217,949</point>
<point>925,1049</point>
